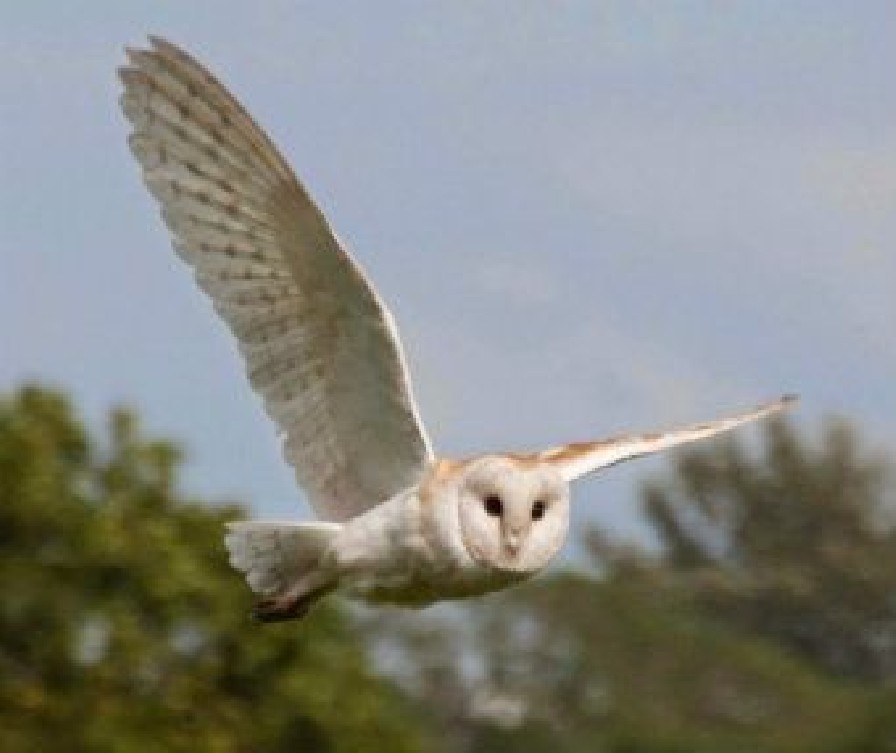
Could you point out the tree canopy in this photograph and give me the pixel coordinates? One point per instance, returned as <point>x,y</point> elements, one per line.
<point>796,543</point>
<point>764,624</point>
<point>123,628</point>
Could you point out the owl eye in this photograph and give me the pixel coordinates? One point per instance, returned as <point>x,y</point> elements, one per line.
<point>538,509</point>
<point>493,505</point>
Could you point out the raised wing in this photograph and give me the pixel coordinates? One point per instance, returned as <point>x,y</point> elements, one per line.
<point>320,346</point>
<point>580,458</point>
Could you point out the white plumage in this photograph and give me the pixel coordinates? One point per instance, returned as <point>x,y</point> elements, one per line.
<point>322,350</point>
<point>319,345</point>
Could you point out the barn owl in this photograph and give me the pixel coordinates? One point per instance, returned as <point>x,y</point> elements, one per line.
<point>397,523</point>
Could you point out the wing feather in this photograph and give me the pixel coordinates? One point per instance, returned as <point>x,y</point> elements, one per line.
<point>580,458</point>
<point>319,345</point>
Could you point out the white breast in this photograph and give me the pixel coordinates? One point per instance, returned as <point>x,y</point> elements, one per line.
<point>409,551</point>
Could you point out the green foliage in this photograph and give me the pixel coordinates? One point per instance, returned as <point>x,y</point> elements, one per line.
<point>766,626</point>
<point>122,627</point>
<point>625,664</point>
<point>796,544</point>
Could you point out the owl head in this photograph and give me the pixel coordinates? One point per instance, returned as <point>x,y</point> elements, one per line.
<point>513,515</point>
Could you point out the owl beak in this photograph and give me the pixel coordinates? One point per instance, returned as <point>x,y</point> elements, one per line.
<point>512,544</point>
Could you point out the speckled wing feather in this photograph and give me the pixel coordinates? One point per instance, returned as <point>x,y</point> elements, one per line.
<point>580,458</point>
<point>320,346</point>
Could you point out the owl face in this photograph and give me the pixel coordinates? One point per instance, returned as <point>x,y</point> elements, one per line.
<point>513,516</point>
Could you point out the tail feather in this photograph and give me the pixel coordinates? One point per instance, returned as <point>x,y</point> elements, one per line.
<point>274,556</point>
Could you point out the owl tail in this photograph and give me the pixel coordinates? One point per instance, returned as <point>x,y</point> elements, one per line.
<point>283,562</point>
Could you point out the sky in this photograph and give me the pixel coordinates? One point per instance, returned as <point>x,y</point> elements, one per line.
<point>587,217</point>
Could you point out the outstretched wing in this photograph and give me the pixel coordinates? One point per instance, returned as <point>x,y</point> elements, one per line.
<point>580,458</point>
<point>320,346</point>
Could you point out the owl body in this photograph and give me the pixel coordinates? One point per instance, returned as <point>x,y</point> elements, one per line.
<point>395,522</point>
<point>420,546</point>
<point>395,554</point>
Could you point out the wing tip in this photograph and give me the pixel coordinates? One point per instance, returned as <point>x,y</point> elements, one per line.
<point>787,400</point>
<point>158,46</point>
<point>137,55</point>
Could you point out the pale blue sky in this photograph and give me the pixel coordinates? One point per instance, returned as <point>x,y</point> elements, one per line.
<point>587,217</point>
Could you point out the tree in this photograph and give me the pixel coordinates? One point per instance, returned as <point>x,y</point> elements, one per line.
<point>578,663</point>
<point>796,544</point>
<point>122,627</point>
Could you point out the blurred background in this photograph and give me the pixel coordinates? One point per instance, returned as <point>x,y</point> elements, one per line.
<point>588,218</point>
